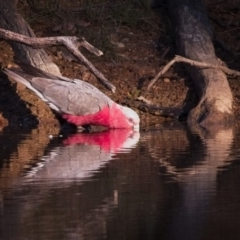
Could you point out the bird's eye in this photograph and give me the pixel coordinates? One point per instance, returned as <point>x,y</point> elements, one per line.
<point>130,120</point>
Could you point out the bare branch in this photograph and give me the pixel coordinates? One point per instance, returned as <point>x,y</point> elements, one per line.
<point>70,42</point>
<point>161,111</point>
<point>192,63</point>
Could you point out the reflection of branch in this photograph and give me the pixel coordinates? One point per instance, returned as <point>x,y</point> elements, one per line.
<point>71,43</point>
<point>192,63</point>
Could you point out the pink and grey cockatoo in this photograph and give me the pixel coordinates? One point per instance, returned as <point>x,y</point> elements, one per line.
<point>78,102</point>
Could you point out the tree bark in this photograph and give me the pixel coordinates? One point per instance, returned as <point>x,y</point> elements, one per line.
<point>11,20</point>
<point>194,41</point>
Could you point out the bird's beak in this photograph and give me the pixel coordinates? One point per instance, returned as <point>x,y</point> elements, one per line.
<point>136,127</point>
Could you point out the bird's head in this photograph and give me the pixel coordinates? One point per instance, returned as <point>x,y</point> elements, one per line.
<point>131,117</point>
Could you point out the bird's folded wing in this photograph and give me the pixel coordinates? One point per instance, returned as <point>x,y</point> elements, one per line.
<point>75,98</point>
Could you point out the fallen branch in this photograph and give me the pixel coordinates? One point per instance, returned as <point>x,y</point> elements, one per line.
<point>192,63</point>
<point>71,43</point>
<point>161,111</point>
<point>171,112</point>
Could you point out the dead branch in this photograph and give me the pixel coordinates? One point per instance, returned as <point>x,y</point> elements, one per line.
<point>155,110</point>
<point>70,42</point>
<point>161,111</point>
<point>178,58</point>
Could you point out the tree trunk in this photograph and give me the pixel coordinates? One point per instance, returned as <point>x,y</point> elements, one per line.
<point>194,41</point>
<point>11,20</point>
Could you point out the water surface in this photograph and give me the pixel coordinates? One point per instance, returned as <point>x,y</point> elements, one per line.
<point>166,183</point>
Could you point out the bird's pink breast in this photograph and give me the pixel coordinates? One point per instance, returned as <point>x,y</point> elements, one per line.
<point>108,117</point>
<point>100,118</point>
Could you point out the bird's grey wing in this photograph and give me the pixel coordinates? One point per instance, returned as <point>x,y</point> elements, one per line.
<point>75,98</point>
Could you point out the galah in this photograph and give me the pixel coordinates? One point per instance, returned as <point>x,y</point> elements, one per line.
<point>77,101</point>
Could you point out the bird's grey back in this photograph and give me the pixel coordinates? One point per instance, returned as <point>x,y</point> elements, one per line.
<point>74,97</point>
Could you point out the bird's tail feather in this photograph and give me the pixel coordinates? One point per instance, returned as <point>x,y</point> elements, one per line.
<point>20,77</point>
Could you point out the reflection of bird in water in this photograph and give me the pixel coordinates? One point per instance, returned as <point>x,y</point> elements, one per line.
<point>78,102</point>
<point>83,154</point>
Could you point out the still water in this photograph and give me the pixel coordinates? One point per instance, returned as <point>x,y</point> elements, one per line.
<point>165,183</point>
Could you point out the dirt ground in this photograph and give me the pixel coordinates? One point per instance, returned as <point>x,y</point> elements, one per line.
<point>134,51</point>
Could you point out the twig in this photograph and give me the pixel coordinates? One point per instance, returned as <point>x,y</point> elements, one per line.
<point>143,99</point>
<point>70,42</point>
<point>192,63</point>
